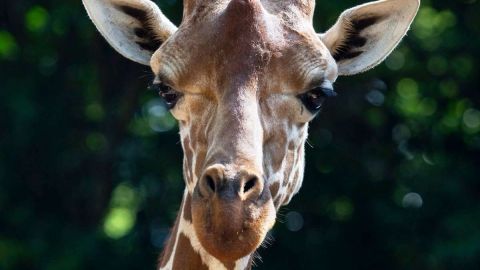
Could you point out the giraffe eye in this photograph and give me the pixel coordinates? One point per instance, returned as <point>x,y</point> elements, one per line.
<point>314,99</point>
<point>167,93</point>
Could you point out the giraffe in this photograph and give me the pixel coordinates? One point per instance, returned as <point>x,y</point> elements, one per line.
<point>243,78</point>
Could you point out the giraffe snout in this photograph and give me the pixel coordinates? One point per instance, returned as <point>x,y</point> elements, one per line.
<point>231,211</point>
<point>245,184</point>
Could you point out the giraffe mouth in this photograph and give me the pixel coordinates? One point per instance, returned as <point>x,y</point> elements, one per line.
<point>232,228</point>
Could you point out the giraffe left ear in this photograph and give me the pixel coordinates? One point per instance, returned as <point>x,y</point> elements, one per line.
<point>135,28</point>
<point>365,35</point>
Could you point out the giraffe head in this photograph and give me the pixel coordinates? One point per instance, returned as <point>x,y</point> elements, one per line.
<point>243,78</point>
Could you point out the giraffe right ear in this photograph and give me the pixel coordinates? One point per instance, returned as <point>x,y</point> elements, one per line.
<point>135,28</point>
<point>366,34</point>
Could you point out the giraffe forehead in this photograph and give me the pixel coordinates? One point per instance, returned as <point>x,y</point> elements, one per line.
<point>196,7</point>
<point>243,42</point>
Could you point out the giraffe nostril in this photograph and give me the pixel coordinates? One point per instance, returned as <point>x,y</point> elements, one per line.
<point>241,185</point>
<point>250,184</point>
<point>210,183</point>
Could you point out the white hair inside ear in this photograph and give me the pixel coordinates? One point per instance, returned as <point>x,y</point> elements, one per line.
<point>365,35</point>
<point>134,28</point>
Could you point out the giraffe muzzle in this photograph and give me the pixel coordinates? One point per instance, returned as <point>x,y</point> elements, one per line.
<point>231,212</point>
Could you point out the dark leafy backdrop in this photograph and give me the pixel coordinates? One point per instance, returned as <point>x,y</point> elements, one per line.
<point>90,161</point>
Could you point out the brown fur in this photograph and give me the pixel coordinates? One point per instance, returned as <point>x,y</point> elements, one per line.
<point>274,189</point>
<point>187,259</point>
<point>167,251</point>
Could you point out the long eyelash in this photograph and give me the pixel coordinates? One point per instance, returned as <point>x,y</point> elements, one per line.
<point>309,143</point>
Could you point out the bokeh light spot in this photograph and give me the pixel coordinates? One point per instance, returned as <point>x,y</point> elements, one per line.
<point>407,88</point>
<point>427,106</point>
<point>95,112</point>
<point>122,215</point>
<point>96,141</point>
<point>294,221</point>
<point>159,118</point>
<point>412,200</point>
<point>119,222</point>
<point>375,98</point>
<point>155,118</point>
<point>36,18</point>
<point>471,118</point>
<point>125,196</point>
<point>8,46</point>
<point>342,209</point>
<point>430,24</point>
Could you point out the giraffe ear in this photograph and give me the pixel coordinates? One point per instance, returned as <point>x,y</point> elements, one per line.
<point>365,35</point>
<point>135,28</point>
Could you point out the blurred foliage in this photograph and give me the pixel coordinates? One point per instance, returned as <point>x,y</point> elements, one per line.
<point>90,162</point>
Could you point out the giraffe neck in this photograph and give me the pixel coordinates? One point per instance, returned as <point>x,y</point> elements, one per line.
<point>184,251</point>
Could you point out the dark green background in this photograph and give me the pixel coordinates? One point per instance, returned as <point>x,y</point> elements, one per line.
<point>90,161</point>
